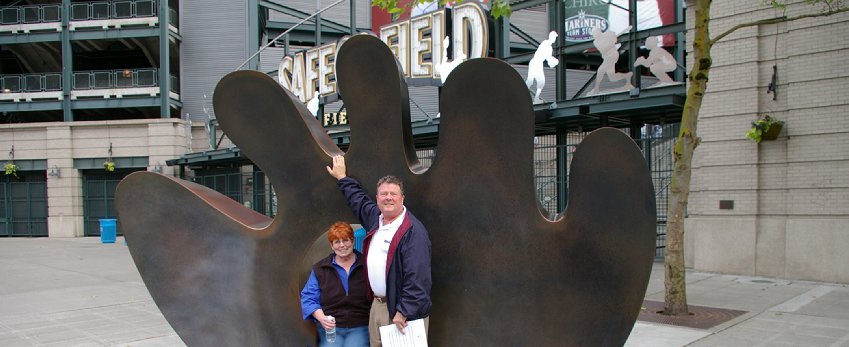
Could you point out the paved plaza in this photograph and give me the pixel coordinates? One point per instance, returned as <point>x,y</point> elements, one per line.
<point>81,292</point>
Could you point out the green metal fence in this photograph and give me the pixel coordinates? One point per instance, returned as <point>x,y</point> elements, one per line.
<point>31,83</point>
<point>30,14</point>
<point>225,181</point>
<point>552,161</point>
<point>107,79</point>
<point>656,144</point>
<point>98,10</point>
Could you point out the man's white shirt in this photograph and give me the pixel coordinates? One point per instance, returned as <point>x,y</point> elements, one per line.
<point>378,251</point>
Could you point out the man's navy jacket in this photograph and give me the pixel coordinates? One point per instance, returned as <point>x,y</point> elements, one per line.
<point>408,275</point>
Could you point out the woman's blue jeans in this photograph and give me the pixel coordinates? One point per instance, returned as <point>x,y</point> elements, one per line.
<point>345,337</point>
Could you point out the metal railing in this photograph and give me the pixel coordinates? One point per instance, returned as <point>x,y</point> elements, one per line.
<point>656,147</point>
<point>108,79</point>
<point>84,11</point>
<point>175,84</point>
<point>31,83</point>
<point>173,17</point>
<point>84,80</point>
<point>113,9</point>
<point>30,14</point>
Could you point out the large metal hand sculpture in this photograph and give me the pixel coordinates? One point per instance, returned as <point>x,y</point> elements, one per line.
<point>503,275</point>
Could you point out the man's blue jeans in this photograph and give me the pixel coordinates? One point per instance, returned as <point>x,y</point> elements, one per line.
<point>345,337</point>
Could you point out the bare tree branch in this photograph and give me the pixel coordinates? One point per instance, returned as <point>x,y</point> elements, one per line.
<point>774,21</point>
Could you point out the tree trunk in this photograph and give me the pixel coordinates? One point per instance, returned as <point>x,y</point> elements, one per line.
<point>679,188</point>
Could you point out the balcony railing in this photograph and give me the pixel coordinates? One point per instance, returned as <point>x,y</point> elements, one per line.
<point>31,83</point>
<point>173,17</point>
<point>85,85</point>
<point>30,14</point>
<point>84,80</point>
<point>113,10</point>
<point>114,79</point>
<point>51,13</point>
<point>175,85</point>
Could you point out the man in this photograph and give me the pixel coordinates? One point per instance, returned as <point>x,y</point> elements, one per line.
<point>397,252</point>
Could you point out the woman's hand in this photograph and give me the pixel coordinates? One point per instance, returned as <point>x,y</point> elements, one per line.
<point>326,321</point>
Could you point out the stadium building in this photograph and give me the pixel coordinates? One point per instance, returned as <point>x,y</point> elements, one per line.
<point>91,91</point>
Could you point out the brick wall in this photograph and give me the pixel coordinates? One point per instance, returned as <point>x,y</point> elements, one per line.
<point>791,195</point>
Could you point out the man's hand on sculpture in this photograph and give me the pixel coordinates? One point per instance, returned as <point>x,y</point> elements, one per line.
<point>338,170</point>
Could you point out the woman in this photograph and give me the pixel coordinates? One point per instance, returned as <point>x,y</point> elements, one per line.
<point>337,287</point>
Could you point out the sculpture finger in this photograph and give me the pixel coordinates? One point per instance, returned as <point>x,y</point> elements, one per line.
<point>267,120</point>
<point>611,218</point>
<point>376,99</point>
<point>486,139</point>
<point>196,251</point>
<point>274,129</point>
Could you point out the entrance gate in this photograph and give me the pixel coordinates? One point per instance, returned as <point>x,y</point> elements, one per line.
<point>23,205</point>
<point>246,185</point>
<point>99,198</point>
<point>225,181</point>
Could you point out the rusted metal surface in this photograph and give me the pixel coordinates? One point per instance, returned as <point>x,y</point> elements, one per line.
<point>503,275</point>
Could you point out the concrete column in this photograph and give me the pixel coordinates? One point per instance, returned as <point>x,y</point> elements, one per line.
<point>64,193</point>
<point>164,62</point>
<point>67,62</point>
<point>167,140</point>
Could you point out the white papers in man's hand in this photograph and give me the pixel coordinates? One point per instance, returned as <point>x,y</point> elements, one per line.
<point>414,335</point>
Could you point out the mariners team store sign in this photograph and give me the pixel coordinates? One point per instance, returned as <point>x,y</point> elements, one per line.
<point>416,42</point>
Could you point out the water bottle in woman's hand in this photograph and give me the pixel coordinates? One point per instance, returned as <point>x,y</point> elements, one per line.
<point>330,334</point>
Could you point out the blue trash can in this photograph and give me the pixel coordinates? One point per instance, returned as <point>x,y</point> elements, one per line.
<point>359,235</point>
<point>107,230</point>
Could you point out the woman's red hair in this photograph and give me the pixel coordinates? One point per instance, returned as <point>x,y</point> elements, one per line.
<point>340,231</point>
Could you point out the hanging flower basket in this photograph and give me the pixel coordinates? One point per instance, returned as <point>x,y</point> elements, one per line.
<point>765,128</point>
<point>772,131</point>
<point>11,169</point>
<point>109,165</point>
